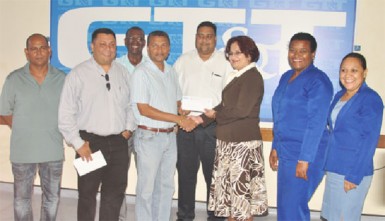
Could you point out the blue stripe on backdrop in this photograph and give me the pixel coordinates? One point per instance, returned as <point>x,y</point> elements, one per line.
<point>270,23</point>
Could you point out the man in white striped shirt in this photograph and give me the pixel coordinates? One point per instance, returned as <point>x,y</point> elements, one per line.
<point>156,96</point>
<point>95,114</point>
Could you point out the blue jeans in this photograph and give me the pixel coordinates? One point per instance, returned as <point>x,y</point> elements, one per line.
<point>50,175</point>
<point>156,157</point>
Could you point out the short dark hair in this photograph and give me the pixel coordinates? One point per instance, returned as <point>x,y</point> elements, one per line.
<point>246,45</point>
<point>302,36</point>
<point>208,24</point>
<point>34,35</point>
<point>102,31</point>
<point>157,33</point>
<point>134,28</point>
<point>359,56</point>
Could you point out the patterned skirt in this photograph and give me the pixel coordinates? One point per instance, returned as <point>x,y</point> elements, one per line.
<point>238,186</point>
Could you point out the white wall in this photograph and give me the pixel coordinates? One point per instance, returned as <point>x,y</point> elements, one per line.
<point>20,18</point>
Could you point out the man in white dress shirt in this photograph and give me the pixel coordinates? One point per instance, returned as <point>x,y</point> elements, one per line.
<point>95,114</point>
<point>202,73</point>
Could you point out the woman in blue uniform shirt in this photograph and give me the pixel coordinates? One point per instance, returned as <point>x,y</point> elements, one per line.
<point>355,123</point>
<point>300,105</point>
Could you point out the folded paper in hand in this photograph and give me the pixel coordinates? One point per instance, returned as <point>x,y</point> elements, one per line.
<point>198,104</point>
<point>84,167</point>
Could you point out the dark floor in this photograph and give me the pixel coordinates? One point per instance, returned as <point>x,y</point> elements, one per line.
<point>67,208</point>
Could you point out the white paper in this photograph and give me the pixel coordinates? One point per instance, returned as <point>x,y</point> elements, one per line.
<point>84,167</point>
<point>196,104</point>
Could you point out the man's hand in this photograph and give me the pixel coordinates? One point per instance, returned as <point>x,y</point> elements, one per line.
<point>126,134</point>
<point>6,120</point>
<point>349,186</point>
<point>187,124</point>
<point>183,112</point>
<point>197,119</point>
<point>273,160</point>
<point>85,152</point>
<point>301,169</point>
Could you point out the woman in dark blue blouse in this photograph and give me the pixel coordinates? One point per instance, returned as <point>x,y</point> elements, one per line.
<point>355,119</point>
<point>300,105</point>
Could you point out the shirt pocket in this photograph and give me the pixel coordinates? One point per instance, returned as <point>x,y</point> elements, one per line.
<point>216,82</point>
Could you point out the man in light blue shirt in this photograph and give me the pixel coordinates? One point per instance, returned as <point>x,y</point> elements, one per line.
<point>156,96</point>
<point>29,105</point>
<point>135,43</point>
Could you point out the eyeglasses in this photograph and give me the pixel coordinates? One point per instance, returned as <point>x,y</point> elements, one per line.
<point>236,54</point>
<point>108,85</point>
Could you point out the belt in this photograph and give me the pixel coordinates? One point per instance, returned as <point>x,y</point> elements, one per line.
<point>162,130</point>
<point>84,132</point>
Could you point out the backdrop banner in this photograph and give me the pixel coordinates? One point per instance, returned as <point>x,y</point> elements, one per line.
<point>271,23</point>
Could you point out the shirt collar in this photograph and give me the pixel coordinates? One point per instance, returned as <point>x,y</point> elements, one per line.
<point>155,67</point>
<point>27,71</point>
<point>99,67</point>
<point>235,73</point>
<point>243,70</point>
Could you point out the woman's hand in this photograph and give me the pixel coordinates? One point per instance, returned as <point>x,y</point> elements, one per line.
<point>301,169</point>
<point>349,186</point>
<point>273,160</point>
<point>210,113</point>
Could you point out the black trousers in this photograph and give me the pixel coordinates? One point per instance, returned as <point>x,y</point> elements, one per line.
<point>112,178</point>
<point>194,148</point>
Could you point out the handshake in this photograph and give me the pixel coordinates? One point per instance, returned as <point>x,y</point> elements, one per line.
<point>189,123</point>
